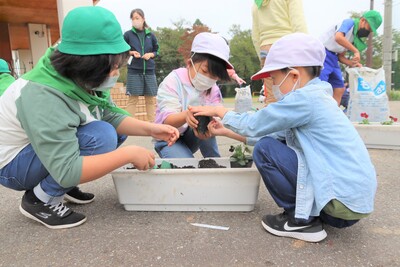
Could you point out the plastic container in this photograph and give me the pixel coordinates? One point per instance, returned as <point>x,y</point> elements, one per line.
<point>217,189</point>
<point>376,135</point>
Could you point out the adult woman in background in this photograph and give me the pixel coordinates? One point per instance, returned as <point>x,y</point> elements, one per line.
<point>141,79</point>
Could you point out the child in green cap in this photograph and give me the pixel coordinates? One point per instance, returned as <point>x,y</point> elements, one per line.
<point>349,35</point>
<point>59,125</point>
<point>5,76</point>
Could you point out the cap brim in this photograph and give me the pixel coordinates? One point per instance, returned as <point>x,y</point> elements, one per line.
<point>83,49</point>
<point>229,65</point>
<point>373,29</point>
<point>260,75</point>
<point>202,51</point>
<point>264,72</point>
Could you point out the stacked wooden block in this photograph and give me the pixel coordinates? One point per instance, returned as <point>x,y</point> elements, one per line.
<point>121,100</point>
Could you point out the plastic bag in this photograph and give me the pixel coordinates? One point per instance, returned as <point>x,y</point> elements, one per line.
<point>243,99</point>
<point>367,94</point>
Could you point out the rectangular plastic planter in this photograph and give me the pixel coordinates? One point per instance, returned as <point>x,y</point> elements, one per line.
<point>376,135</point>
<point>217,189</point>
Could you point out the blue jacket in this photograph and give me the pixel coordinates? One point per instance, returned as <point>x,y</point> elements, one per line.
<point>333,162</point>
<point>148,45</point>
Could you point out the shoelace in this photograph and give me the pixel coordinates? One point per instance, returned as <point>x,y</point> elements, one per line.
<point>59,208</point>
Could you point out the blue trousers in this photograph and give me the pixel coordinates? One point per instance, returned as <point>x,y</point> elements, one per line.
<point>187,145</point>
<point>26,171</point>
<point>331,72</point>
<point>277,164</point>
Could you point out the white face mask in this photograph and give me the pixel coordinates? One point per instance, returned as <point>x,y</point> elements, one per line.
<point>200,81</point>
<point>276,90</point>
<point>137,24</point>
<point>107,84</point>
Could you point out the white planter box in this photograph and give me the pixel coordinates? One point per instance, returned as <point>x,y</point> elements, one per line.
<point>217,189</point>
<point>376,135</point>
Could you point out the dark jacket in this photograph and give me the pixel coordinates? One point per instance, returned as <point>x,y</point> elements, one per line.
<point>148,45</point>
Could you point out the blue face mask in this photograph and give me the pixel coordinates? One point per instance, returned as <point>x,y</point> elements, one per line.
<point>107,84</point>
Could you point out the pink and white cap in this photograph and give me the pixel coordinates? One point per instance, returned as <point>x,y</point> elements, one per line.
<point>293,50</point>
<point>213,44</point>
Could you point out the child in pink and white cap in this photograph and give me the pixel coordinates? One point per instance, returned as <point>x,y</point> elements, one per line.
<point>312,160</point>
<point>196,84</point>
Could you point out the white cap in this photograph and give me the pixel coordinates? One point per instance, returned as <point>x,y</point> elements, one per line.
<point>213,44</point>
<point>293,50</point>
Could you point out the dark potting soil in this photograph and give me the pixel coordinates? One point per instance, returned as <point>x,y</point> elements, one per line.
<point>203,164</point>
<point>203,123</point>
<point>172,166</point>
<point>209,163</point>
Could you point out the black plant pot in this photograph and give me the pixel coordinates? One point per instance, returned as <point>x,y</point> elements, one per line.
<point>203,123</point>
<point>235,164</point>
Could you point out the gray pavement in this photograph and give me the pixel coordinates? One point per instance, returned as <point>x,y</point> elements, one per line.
<point>115,237</point>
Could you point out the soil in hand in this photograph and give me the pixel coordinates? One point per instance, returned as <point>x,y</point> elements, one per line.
<point>203,123</point>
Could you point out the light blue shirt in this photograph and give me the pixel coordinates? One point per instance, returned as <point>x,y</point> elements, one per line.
<point>333,162</point>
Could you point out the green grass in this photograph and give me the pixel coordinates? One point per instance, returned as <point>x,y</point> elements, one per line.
<point>394,95</point>
<point>231,100</point>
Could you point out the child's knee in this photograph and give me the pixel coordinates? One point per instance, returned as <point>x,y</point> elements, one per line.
<point>97,137</point>
<point>262,146</point>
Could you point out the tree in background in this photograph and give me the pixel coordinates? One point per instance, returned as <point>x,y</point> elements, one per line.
<point>175,44</point>
<point>396,64</point>
<point>188,36</point>
<point>244,56</point>
<point>169,40</point>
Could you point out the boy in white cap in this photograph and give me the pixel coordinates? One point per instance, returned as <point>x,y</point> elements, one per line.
<point>311,158</point>
<point>59,127</point>
<point>193,85</point>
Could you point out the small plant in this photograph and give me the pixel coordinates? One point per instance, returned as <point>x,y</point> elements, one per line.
<point>242,155</point>
<point>390,122</point>
<point>365,120</point>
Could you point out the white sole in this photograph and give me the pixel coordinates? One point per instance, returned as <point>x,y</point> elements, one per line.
<point>64,226</point>
<point>309,237</point>
<point>77,201</point>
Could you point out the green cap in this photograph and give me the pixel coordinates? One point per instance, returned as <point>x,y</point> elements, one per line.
<point>4,66</point>
<point>91,30</point>
<point>374,19</point>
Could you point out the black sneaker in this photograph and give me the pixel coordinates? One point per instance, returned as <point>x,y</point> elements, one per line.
<point>280,225</point>
<point>52,216</point>
<point>75,195</point>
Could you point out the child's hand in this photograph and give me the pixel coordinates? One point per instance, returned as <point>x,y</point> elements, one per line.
<point>216,128</point>
<point>204,110</point>
<point>356,58</point>
<point>191,120</point>
<point>142,158</point>
<point>239,80</point>
<point>202,136</point>
<point>165,132</point>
